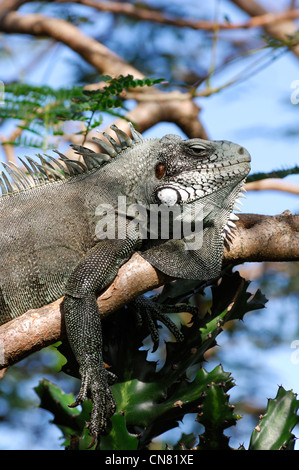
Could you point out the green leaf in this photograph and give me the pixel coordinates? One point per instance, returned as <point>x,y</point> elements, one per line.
<point>186,441</point>
<point>71,421</point>
<point>274,429</point>
<point>179,290</point>
<point>119,438</point>
<point>231,296</point>
<point>150,402</point>
<point>105,78</point>
<point>153,408</point>
<point>216,415</point>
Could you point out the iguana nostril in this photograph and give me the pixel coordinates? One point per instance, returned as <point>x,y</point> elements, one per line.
<point>241,150</point>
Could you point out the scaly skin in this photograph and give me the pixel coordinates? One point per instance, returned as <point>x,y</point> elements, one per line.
<point>50,244</point>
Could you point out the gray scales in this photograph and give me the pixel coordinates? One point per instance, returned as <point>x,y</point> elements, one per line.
<point>48,242</point>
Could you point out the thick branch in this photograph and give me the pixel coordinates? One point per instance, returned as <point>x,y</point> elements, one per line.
<point>257,238</point>
<point>265,238</point>
<point>88,48</point>
<point>183,114</point>
<point>106,62</point>
<point>44,326</point>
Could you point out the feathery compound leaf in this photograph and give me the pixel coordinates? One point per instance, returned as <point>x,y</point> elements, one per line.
<point>43,108</point>
<point>273,174</point>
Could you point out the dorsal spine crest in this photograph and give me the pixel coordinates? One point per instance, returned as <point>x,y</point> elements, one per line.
<point>47,171</point>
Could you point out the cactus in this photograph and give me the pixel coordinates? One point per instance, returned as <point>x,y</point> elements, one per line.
<point>274,429</point>
<point>151,401</point>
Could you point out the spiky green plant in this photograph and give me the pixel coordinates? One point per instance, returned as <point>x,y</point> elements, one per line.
<point>151,401</point>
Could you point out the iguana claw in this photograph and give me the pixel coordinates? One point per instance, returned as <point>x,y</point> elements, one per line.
<point>103,404</point>
<point>149,312</point>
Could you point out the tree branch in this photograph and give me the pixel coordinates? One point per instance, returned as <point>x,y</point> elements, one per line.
<point>257,238</point>
<point>264,238</point>
<point>10,5</point>
<point>145,14</point>
<point>261,17</point>
<point>281,30</point>
<point>105,61</point>
<point>88,48</point>
<point>273,185</point>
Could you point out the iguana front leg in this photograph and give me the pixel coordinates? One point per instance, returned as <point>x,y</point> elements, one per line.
<point>83,324</point>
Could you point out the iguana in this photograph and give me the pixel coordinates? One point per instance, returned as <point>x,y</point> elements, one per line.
<point>51,247</point>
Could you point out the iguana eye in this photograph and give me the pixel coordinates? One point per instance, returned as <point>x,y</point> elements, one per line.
<point>160,171</point>
<point>198,149</point>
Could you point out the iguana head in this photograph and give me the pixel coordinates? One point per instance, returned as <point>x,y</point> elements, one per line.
<point>166,172</point>
<point>209,175</point>
<point>191,169</point>
<point>173,172</point>
<point>210,172</point>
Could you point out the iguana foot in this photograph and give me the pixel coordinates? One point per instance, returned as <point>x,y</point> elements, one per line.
<point>95,385</point>
<point>149,312</point>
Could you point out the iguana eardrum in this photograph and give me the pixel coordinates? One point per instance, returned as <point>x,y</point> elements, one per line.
<point>50,246</point>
